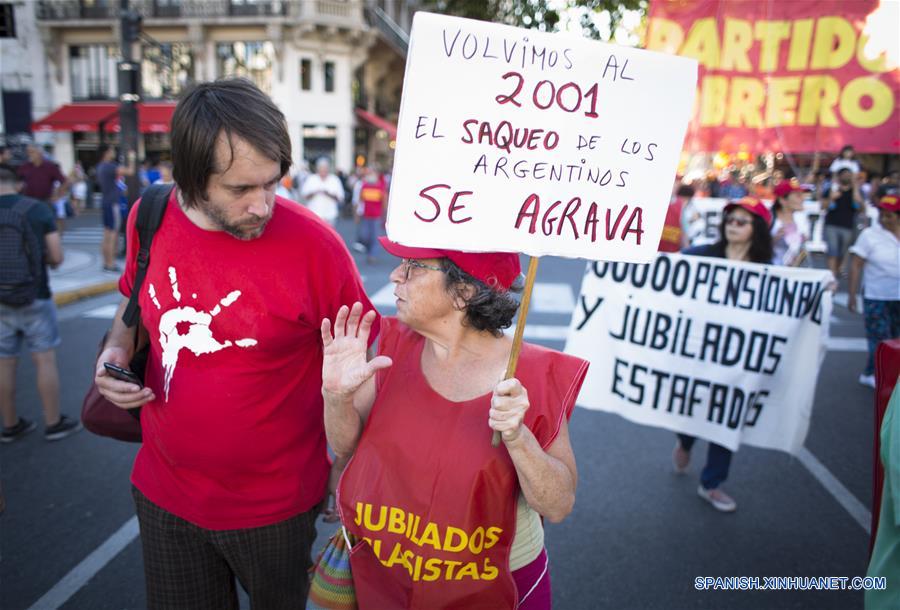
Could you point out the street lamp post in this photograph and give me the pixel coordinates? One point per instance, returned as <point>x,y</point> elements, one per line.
<point>129,93</point>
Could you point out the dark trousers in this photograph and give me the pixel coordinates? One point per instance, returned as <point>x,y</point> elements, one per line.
<point>718,461</point>
<point>188,567</point>
<point>882,323</point>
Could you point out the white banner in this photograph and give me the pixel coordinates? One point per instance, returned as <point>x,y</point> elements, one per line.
<point>725,351</point>
<point>523,141</point>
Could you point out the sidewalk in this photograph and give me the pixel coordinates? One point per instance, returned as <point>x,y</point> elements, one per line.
<point>81,274</point>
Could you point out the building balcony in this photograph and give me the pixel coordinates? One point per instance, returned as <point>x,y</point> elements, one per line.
<point>82,13</point>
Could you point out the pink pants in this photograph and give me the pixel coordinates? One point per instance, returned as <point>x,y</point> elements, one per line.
<point>533,584</point>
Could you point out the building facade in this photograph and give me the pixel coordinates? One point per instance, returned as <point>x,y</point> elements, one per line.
<point>334,67</point>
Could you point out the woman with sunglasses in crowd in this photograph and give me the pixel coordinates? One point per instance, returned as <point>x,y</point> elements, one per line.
<point>744,236</point>
<point>443,519</point>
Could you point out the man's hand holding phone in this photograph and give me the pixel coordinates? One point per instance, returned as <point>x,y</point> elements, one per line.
<point>117,383</point>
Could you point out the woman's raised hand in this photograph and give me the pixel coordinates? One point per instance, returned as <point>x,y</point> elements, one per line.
<point>344,366</point>
<point>508,406</point>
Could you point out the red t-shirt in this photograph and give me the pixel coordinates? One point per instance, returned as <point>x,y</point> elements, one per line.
<point>235,438</point>
<point>39,179</point>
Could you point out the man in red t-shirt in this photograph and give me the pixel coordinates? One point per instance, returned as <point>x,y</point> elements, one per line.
<point>233,468</point>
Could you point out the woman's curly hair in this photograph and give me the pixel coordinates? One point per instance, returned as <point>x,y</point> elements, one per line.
<point>485,308</point>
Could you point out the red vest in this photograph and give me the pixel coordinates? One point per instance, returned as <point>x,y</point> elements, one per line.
<point>670,240</point>
<point>372,197</point>
<point>432,502</point>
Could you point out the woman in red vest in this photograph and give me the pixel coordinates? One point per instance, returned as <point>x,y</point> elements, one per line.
<point>443,519</point>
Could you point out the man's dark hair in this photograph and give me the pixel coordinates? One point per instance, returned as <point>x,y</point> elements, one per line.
<point>486,308</point>
<point>101,152</point>
<point>8,174</point>
<point>761,249</point>
<point>233,107</point>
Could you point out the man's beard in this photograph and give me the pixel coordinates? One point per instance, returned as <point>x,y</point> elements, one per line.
<point>243,231</point>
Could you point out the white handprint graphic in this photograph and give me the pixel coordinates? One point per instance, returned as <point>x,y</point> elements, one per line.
<point>198,338</point>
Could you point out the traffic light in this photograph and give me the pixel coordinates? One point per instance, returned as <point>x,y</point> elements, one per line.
<point>131,25</point>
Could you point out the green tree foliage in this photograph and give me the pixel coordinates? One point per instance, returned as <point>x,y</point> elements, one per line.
<point>539,14</point>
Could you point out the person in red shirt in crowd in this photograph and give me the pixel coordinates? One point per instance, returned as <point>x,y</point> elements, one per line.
<point>233,468</point>
<point>370,201</point>
<point>673,237</point>
<point>41,178</point>
<point>446,520</point>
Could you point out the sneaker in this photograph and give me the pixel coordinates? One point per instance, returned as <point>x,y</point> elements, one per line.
<point>867,380</point>
<point>680,459</point>
<point>718,498</point>
<point>111,268</point>
<point>61,429</point>
<point>14,433</point>
<point>359,247</point>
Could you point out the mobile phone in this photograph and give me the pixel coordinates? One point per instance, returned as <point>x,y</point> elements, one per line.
<point>122,374</point>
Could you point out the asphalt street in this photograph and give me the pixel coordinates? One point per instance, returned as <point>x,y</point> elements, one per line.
<point>638,537</point>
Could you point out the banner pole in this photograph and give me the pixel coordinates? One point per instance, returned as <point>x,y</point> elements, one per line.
<point>520,330</point>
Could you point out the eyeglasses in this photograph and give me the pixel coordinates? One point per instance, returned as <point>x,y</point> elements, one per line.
<point>408,264</point>
<point>734,220</point>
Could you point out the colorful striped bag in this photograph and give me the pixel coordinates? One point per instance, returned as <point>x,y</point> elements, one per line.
<point>331,584</point>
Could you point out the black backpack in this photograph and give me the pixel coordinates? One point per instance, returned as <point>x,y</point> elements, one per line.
<point>21,255</point>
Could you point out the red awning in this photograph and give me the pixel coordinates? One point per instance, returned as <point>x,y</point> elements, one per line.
<point>378,122</point>
<point>78,117</point>
<point>153,117</point>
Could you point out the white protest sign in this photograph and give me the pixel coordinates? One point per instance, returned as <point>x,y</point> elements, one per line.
<point>725,351</point>
<point>523,141</point>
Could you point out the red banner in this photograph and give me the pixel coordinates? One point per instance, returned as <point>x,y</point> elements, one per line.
<point>778,76</point>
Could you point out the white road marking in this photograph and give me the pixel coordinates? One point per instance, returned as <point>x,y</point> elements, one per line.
<point>833,486</point>
<point>847,344</point>
<point>105,312</point>
<point>78,576</point>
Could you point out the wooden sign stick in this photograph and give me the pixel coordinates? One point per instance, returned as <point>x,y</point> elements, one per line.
<point>520,330</point>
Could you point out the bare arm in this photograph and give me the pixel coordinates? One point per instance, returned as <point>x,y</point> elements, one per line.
<point>118,349</point>
<point>856,267</point>
<point>348,377</point>
<point>548,478</point>
<point>53,249</point>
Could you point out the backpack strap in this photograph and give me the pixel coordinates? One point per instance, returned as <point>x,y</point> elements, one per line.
<point>149,217</point>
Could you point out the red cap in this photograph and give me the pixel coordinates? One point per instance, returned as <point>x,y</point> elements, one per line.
<point>786,187</point>
<point>497,270</point>
<point>891,203</point>
<point>752,205</point>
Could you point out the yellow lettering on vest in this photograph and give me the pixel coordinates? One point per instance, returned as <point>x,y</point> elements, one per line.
<point>736,42</point>
<point>469,570</point>
<point>818,98</point>
<point>476,541</point>
<point>871,59</point>
<point>492,536</point>
<point>880,97</point>
<point>713,95</point>
<point>396,521</point>
<point>449,545</point>
<point>396,556</point>
<point>770,35</point>
<point>451,566</point>
<point>367,519</point>
<point>490,572</point>
<point>664,35</point>
<point>781,101</point>
<point>376,547</point>
<point>359,509</point>
<point>417,573</point>
<point>834,43</point>
<point>703,43</point>
<point>431,536</point>
<point>798,52</point>
<point>433,567</point>
<point>407,561</point>
<point>745,102</point>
